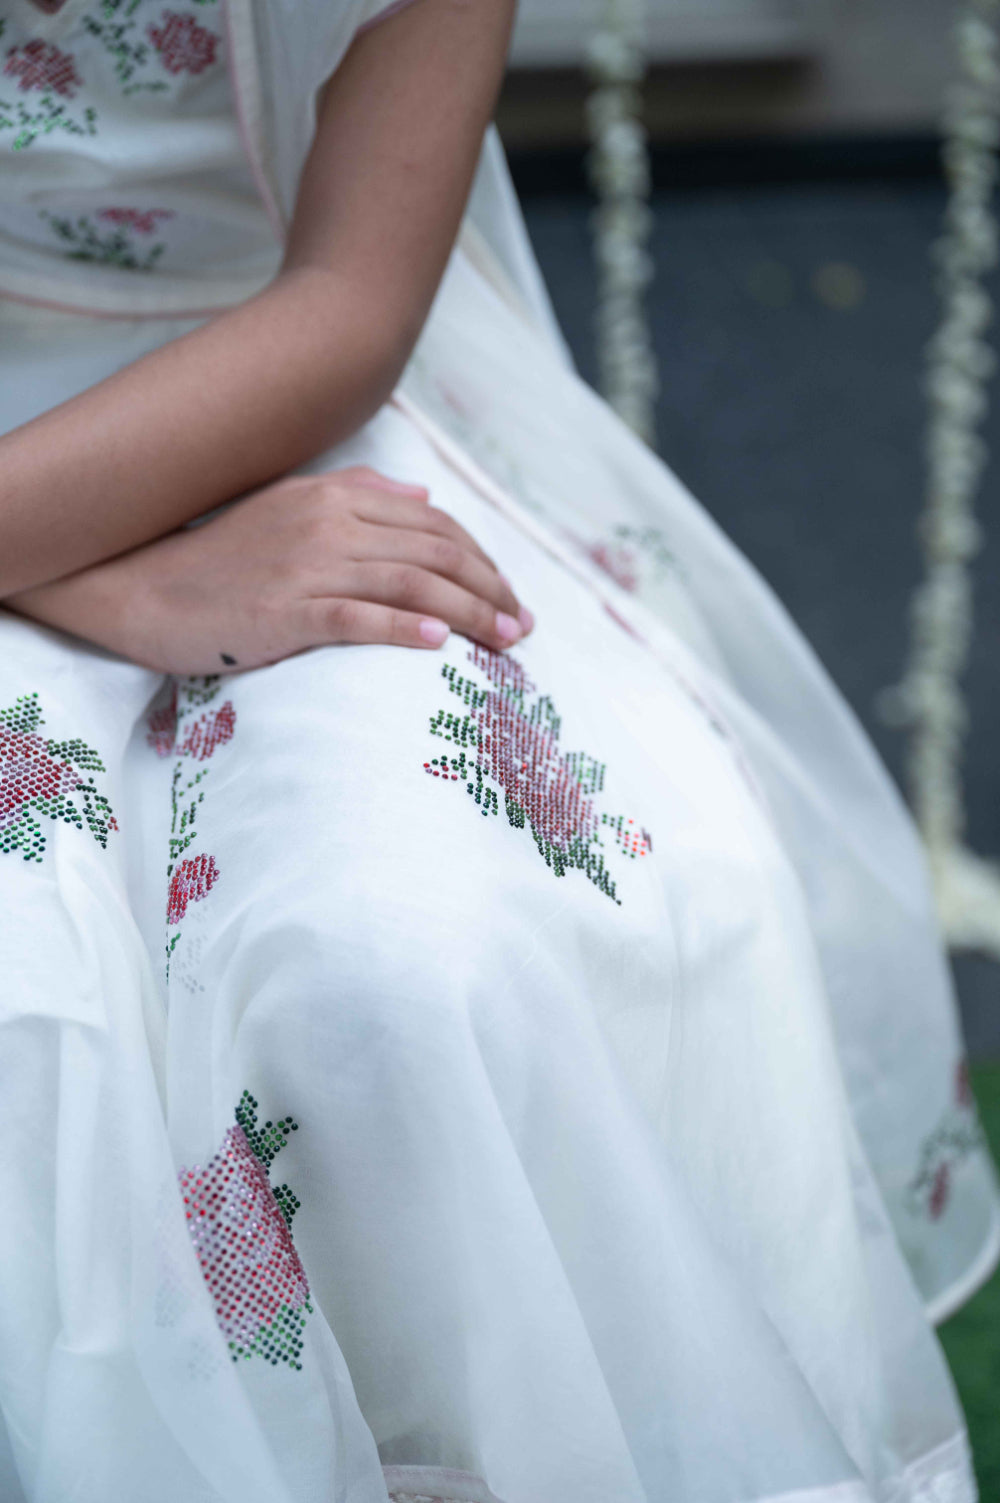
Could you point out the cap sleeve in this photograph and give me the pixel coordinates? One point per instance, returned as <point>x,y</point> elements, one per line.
<point>374,11</point>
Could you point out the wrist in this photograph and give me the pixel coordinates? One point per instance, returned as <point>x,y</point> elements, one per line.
<point>111,605</point>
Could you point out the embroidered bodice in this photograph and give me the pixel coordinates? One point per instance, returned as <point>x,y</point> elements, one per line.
<point>124,183</point>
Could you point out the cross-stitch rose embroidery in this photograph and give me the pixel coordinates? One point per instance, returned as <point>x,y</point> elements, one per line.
<point>50,78</point>
<point>83,239</point>
<point>143,221</point>
<point>192,880</point>
<point>39,777</point>
<point>40,65</point>
<point>210,730</point>
<point>162,726</point>
<point>618,562</point>
<point>183,45</point>
<point>140,51</point>
<point>241,1230</point>
<point>510,745</point>
<point>190,728</point>
<point>636,558</point>
<point>956,1136</point>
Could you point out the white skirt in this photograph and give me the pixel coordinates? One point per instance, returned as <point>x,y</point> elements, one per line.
<point>476,1076</point>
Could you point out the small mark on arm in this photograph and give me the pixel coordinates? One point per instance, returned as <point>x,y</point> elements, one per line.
<point>229,662</point>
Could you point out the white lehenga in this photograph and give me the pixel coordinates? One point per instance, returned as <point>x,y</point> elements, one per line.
<point>537,1071</point>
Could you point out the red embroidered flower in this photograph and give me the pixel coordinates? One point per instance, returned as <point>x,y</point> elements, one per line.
<point>183,45</point>
<point>192,880</point>
<point>522,755</point>
<point>509,743</point>
<point>143,221</point>
<point>38,777</point>
<point>210,730</point>
<point>618,562</point>
<point>162,724</point>
<point>940,1190</point>
<point>29,771</point>
<point>245,1248</point>
<point>40,65</point>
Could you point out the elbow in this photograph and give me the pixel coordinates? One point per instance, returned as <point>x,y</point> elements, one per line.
<point>366,336</point>
<point>391,337</point>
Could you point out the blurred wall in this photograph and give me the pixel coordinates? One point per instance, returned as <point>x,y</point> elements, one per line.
<point>724,68</point>
<point>551,31</point>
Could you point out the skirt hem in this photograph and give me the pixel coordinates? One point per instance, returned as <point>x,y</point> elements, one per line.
<point>950,1300</point>
<point>920,1482</point>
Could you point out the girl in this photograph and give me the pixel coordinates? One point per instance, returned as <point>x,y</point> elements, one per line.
<point>521,1067</point>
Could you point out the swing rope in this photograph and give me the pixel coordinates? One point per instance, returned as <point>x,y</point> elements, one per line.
<point>929,701</point>
<point>618,164</point>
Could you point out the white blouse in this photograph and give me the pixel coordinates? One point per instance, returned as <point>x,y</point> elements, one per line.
<point>125,181</point>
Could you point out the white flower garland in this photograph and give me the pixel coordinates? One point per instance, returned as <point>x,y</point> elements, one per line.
<point>929,700</point>
<point>960,362</point>
<point>619,170</point>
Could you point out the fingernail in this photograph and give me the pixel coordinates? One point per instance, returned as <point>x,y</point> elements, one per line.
<point>434,633</point>
<point>507,627</point>
<point>526,619</point>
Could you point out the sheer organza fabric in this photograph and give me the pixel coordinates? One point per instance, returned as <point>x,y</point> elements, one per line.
<point>538,1071</point>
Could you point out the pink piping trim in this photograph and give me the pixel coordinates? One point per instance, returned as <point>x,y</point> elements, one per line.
<point>375,20</point>
<point>271,209</point>
<point>85,312</point>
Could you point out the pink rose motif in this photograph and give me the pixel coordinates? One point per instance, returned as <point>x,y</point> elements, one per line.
<point>29,771</point>
<point>525,759</point>
<point>183,45</point>
<point>192,880</point>
<point>40,65</point>
<point>618,563</point>
<point>143,221</point>
<point>940,1191</point>
<point>509,749</point>
<point>210,730</point>
<point>162,723</point>
<point>245,1248</point>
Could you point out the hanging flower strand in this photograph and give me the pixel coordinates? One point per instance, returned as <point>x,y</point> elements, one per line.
<point>620,173</point>
<point>929,700</point>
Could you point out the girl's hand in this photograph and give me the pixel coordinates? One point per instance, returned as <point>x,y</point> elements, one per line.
<point>348,556</point>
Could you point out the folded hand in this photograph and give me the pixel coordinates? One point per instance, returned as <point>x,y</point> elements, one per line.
<point>348,556</point>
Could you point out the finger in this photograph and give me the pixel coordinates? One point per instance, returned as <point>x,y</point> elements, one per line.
<point>445,556</point>
<point>331,621</point>
<point>386,511</point>
<point>410,588</point>
<point>363,476</point>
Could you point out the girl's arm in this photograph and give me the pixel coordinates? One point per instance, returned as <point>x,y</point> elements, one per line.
<point>263,387</point>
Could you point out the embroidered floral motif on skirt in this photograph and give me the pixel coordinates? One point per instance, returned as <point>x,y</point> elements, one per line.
<point>50,778</point>
<point>508,744</point>
<point>191,728</point>
<point>957,1135</point>
<point>241,1230</point>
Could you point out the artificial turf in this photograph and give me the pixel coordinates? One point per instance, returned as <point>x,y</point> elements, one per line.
<point>971,1339</point>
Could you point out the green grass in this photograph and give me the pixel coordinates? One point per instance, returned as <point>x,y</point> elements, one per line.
<point>971,1339</point>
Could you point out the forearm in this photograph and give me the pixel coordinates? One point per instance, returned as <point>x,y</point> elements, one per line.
<point>214,413</point>
<point>108,604</point>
